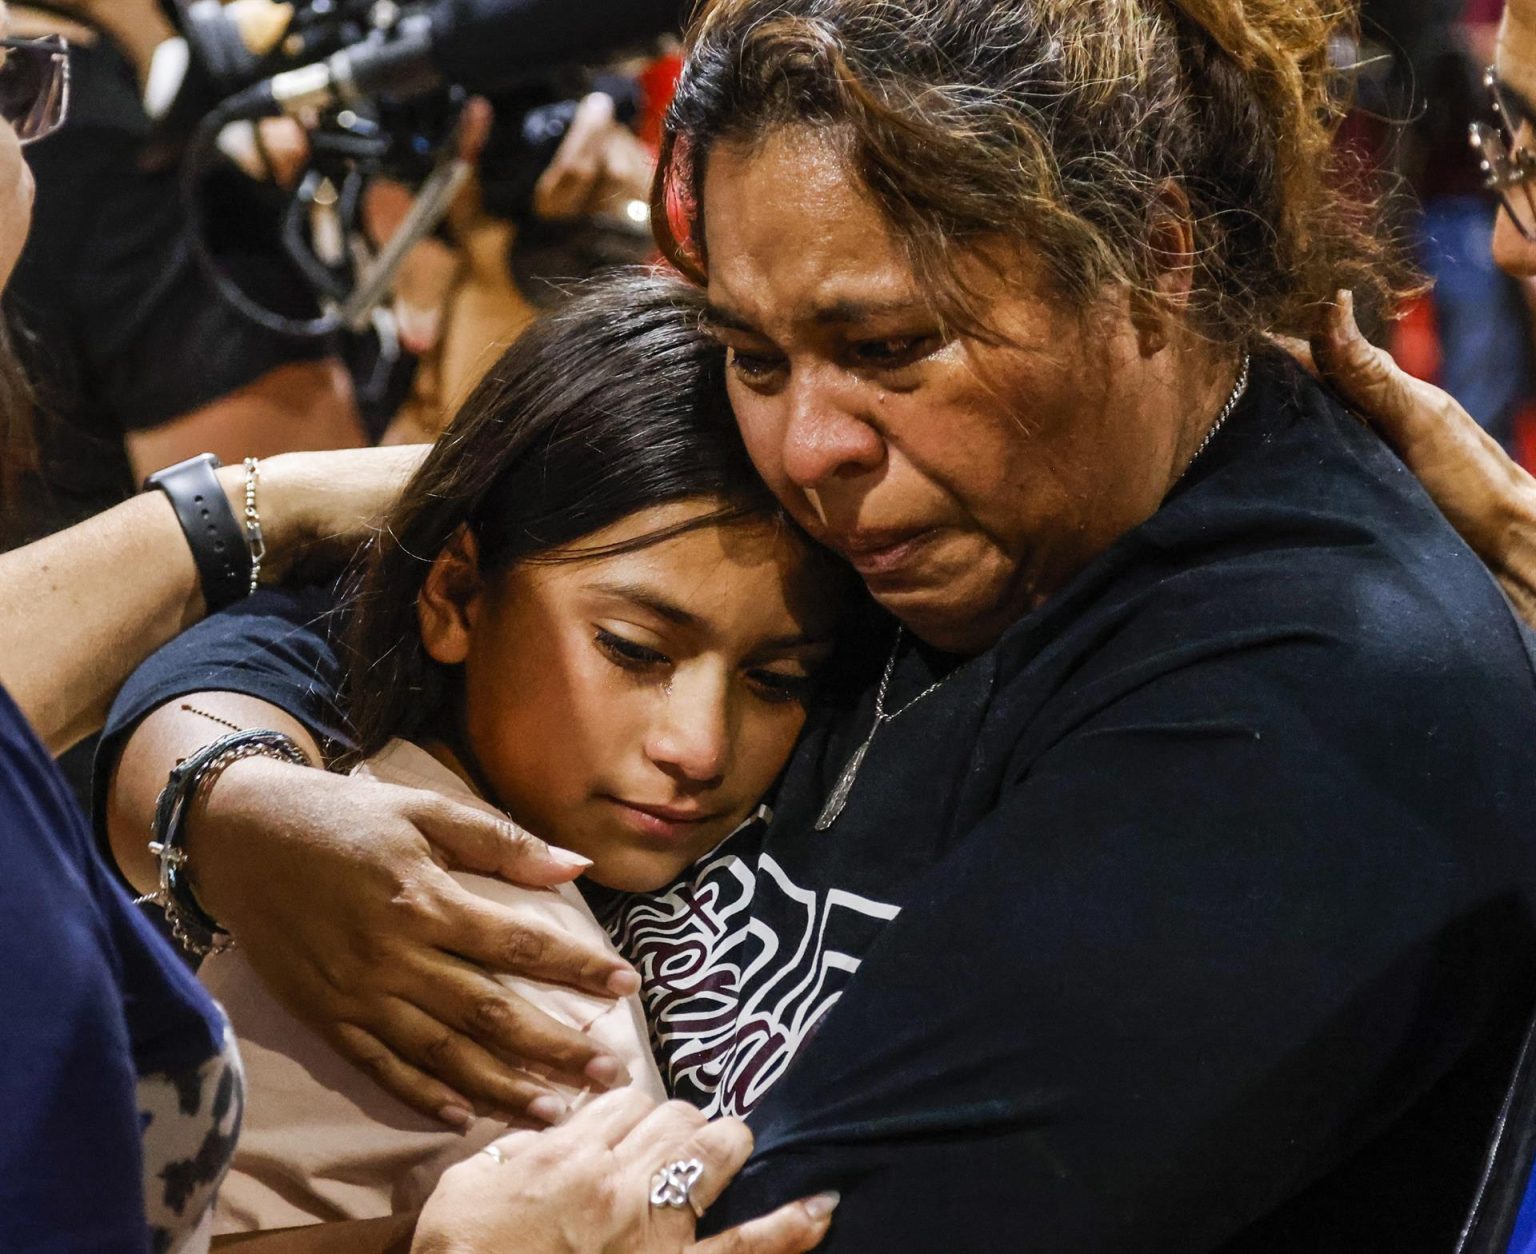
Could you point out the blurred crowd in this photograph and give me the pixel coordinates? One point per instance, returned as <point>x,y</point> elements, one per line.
<point>161,312</point>
<point>1471,332</point>
<point>138,356</point>
<point>122,304</point>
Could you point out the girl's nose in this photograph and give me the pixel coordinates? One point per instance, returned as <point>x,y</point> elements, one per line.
<point>690,739</point>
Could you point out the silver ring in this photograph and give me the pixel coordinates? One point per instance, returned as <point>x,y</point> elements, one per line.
<point>493,1151</point>
<point>673,1185</point>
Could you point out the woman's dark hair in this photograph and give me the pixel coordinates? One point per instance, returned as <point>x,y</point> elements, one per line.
<point>612,404</point>
<point>1071,127</point>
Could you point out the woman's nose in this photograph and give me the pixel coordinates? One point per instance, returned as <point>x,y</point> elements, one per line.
<point>690,739</point>
<point>826,432</point>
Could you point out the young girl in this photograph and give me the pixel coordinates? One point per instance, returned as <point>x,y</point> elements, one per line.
<point>587,612</point>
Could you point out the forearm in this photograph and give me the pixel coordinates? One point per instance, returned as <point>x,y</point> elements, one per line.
<point>80,609</point>
<point>173,732</point>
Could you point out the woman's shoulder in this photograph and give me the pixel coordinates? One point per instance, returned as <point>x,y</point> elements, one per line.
<point>1305,561</point>
<point>1306,523</point>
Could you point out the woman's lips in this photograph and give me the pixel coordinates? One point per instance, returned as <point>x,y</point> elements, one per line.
<point>880,555</point>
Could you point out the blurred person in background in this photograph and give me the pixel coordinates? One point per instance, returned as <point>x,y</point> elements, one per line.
<point>1480,320</point>
<point>1487,496</point>
<point>137,361</point>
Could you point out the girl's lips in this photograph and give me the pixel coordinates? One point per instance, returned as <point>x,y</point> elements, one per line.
<point>667,822</point>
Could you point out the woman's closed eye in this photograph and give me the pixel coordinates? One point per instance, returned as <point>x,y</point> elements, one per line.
<point>754,367</point>
<point>781,686</point>
<point>895,353</point>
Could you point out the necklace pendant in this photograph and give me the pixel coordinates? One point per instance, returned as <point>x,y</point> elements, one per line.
<point>838,797</point>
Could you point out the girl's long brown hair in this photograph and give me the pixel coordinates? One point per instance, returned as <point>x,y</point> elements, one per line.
<point>612,404</point>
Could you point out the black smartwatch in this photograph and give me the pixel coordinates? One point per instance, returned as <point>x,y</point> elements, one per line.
<point>213,533</point>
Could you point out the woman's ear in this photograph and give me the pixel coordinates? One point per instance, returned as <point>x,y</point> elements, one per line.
<point>1171,238</point>
<point>449,600</point>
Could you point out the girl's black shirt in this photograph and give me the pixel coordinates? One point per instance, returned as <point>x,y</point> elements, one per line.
<point>1197,914</point>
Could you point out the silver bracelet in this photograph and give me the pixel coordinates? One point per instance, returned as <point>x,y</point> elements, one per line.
<point>191,925</point>
<point>253,537</point>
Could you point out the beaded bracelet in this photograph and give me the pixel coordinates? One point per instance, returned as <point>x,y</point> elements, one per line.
<point>254,540</point>
<point>192,926</point>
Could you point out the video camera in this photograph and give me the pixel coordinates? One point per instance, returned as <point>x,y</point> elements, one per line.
<point>379,86</point>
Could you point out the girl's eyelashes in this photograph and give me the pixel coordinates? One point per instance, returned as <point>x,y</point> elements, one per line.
<point>771,685</point>
<point>627,653</point>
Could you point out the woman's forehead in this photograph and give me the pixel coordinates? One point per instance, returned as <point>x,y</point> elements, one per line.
<point>789,233</point>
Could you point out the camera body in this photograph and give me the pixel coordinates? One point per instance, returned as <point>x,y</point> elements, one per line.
<point>228,47</point>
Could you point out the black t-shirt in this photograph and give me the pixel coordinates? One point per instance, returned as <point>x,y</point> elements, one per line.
<point>119,328</point>
<point>1195,915</point>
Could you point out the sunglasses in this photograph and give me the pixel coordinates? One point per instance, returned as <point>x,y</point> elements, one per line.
<point>34,85</point>
<point>1507,165</point>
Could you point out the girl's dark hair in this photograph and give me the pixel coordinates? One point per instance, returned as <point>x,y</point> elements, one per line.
<point>1070,127</point>
<point>612,404</point>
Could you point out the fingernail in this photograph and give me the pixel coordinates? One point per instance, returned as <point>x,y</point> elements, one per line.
<point>456,1116</point>
<point>607,1070</point>
<point>822,1205</point>
<point>1347,308</point>
<point>623,983</point>
<point>418,327</point>
<point>564,857</point>
<point>547,1109</point>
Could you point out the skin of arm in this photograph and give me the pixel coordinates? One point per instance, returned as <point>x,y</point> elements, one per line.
<point>72,626</point>
<point>360,1236</point>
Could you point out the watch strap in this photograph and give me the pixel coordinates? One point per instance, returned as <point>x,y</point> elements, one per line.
<point>213,533</point>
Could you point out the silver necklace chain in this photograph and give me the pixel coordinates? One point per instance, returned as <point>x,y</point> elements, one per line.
<point>838,797</point>
<point>1238,390</point>
<point>885,682</point>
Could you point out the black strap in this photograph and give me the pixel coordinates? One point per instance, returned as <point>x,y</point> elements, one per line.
<point>213,533</point>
